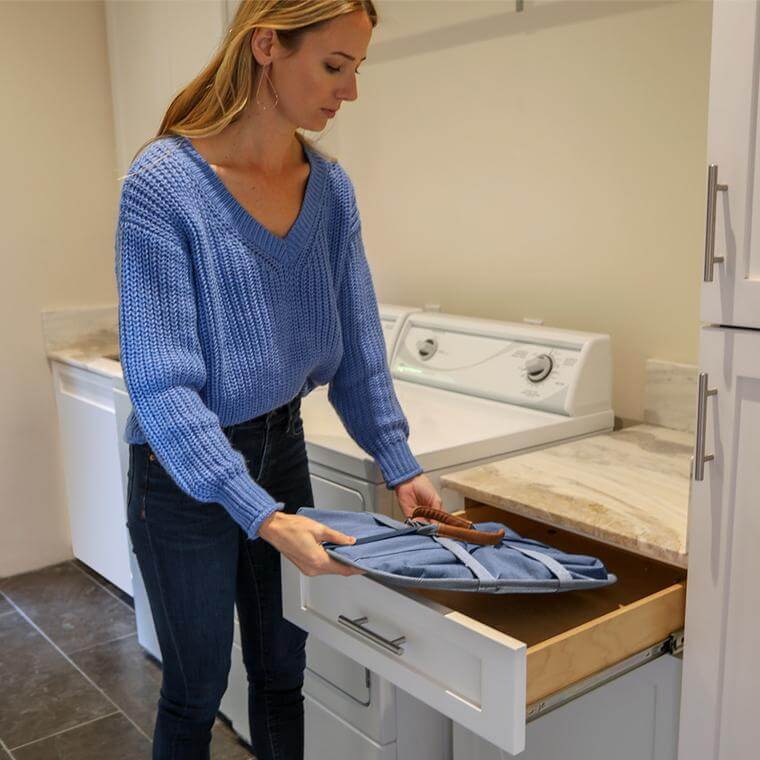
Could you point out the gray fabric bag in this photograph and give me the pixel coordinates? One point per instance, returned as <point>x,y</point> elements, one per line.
<point>415,554</point>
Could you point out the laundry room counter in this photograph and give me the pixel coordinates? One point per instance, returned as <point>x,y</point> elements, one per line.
<point>628,488</point>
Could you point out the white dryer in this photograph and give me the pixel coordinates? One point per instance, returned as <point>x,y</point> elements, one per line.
<point>474,391</point>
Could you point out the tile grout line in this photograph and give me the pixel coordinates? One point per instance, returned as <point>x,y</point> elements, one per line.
<point>4,746</point>
<point>74,665</point>
<point>100,585</point>
<point>66,730</point>
<point>100,643</point>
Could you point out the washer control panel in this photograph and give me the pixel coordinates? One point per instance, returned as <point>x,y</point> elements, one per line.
<point>534,366</point>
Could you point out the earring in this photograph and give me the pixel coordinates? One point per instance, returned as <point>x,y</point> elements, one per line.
<point>276,96</point>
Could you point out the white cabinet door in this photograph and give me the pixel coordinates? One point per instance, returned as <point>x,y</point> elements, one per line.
<point>721,666</point>
<point>154,49</point>
<point>732,296</point>
<point>91,464</point>
<point>633,717</point>
<point>329,737</point>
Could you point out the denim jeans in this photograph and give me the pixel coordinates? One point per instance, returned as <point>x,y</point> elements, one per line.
<point>197,564</point>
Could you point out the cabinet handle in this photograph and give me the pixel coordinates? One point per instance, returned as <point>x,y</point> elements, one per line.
<point>357,626</point>
<point>712,192</point>
<point>700,458</point>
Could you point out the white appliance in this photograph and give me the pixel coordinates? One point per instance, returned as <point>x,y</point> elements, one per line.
<point>474,391</point>
<point>721,667</point>
<point>235,702</point>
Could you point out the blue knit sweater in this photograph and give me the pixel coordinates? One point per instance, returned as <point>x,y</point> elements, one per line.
<point>221,321</point>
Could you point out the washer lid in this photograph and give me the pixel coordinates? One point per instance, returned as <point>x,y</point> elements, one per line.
<point>447,429</point>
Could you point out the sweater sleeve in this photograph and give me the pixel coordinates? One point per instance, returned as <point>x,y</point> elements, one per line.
<point>164,371</point>
<point>362,390</point>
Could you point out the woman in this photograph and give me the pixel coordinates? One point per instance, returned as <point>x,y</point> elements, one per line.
<point>243,285</point>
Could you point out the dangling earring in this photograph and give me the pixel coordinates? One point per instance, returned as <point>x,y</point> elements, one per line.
<point>276,96</point>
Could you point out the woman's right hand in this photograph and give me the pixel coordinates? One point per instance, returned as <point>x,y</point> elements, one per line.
<point>298,538</point>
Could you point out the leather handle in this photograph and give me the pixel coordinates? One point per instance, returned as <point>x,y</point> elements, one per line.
<point>457,527</point>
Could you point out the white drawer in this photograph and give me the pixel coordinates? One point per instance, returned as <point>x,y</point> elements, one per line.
<point>480,659</point>
<point>328,737</point>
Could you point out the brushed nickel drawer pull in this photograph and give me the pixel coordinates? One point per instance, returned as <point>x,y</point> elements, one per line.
<point>712,191</point>
<point>700,458</point>
<point>357,626</point>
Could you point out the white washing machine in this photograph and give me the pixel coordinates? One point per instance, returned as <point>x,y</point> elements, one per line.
<point>473,391</point>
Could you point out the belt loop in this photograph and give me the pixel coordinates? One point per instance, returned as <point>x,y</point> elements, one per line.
<point>291,414</point>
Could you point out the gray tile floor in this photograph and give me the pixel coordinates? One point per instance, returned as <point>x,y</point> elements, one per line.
<point>76,685</point>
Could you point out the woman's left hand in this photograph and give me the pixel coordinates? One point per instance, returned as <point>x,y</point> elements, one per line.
<point>417,492</point>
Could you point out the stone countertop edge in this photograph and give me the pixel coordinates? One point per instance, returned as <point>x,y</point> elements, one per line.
<point>90,360</point>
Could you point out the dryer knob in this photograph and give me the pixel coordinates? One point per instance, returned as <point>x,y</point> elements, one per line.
<point>539,367</point>
<point>427,348</point>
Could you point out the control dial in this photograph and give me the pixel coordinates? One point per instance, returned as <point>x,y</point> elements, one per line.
<point>427,348</point>
<point>539,367</point>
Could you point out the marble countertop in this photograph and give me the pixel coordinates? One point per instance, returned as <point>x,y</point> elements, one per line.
<point>92,358</point>
<point>628,488</point>
<point>83,337</point>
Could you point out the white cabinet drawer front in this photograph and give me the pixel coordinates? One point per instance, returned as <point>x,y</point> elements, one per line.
<point>466,670</point>
<point>329,495</point>
<point>328,737</point>
<point>85,386</point>
<point>346,676</point>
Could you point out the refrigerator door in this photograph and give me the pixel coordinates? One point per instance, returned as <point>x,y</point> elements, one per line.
<point>721,665</point>
<point>731,271</point>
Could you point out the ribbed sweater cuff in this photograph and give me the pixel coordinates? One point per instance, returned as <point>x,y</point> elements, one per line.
<point>397,463</point>
<point>248,503</point>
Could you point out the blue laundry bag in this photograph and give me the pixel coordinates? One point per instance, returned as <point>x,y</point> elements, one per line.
<point>415,554</point>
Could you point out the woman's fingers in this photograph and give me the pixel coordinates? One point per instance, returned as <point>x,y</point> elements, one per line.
<point>335,536</point>
<point>323,563</point>
<point>300,540</point>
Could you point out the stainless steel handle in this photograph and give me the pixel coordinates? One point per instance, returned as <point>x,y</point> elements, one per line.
<point>357,626</point>
<point>712,192</point>
<point>700,458</point>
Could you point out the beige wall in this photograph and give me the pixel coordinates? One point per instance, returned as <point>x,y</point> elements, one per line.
<point>548,164</point>
<point>58,198</point>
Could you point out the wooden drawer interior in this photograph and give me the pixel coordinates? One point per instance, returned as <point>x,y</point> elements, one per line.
<point>572,635</point>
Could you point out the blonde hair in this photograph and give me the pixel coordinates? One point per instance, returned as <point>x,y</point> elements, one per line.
<point>218,95</point>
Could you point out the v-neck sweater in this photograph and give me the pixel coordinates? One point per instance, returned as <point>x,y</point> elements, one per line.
<point>221,321</point>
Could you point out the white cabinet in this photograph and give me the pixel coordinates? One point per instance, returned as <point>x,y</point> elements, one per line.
<point>721,665</point>
<point>721,668</point>
<point>91,464</point>
<point>732,296</point>
<point>154,49</point>
<point>329,736</point>
<point>634,717</point>
<point>146,631</point>
<point>482,659</point>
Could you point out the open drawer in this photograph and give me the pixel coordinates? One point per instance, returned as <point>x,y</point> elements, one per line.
<point>480,658</point>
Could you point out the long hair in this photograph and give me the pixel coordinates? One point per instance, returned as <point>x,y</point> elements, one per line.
<point>218,95</point>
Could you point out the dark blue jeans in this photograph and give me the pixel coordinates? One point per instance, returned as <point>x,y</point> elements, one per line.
<point>197,564</point>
